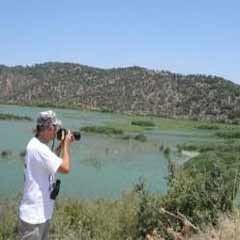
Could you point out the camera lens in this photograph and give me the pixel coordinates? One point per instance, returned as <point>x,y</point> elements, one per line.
<point>61,133</point>
<point>77,135</point>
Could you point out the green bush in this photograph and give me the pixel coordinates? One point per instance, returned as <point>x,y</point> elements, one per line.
<point>200,196</point>
<point>207,185</point>
<point>149,216</point>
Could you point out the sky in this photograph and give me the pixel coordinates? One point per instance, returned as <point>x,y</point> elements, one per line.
<point>183,36</point>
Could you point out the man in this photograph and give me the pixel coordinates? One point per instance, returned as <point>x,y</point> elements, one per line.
<point>41,164</point>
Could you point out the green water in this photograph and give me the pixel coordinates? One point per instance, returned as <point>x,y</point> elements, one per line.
<point>102,166</point>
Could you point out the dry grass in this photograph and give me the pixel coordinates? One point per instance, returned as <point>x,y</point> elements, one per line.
<point>227,229</point>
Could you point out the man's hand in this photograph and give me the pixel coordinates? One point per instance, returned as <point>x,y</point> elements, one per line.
<point>69,138</point>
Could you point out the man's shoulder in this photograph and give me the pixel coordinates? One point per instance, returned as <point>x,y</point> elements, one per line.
<point>35,145</point>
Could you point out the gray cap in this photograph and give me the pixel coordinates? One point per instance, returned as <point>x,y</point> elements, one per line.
<point>48,118</point>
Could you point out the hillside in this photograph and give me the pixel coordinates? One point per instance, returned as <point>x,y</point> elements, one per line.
<point>130,90</point>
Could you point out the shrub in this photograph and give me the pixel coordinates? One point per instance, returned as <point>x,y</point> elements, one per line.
<point>206,185</point>
<point>149,217</point>
<point>200,196</point>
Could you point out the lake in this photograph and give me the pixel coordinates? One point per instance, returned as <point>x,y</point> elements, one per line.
<point>102,166</point>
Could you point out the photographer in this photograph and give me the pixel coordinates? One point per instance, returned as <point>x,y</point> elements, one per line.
<point>40,187</point>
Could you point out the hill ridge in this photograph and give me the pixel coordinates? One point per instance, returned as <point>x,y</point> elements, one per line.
<point>134,90</point>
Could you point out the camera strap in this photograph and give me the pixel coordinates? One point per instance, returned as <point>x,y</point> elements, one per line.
<point>53,143</point>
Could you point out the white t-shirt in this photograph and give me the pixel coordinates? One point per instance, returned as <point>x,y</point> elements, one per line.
<point>41,164</point>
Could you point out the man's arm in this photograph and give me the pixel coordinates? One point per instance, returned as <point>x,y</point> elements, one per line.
<point>65,166</point>
<point>58,149</point>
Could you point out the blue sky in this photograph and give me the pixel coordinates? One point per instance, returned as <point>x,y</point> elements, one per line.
<point>176,35</point>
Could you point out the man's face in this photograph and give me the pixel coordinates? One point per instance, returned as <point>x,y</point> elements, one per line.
<point>52,132</point>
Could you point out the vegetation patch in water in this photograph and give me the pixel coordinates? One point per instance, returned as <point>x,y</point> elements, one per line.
<point>169,124</point>
<point>22,153</point>
<point>5,153</point>
<point>166,151</point>
<point>141,138</point>
<point>126,137</point>
<point>217,147</point>
<point>208,127</point>
<point>143,123</point>
<point>9,116</point>
<point>229,134</point>
<point>102,130</point>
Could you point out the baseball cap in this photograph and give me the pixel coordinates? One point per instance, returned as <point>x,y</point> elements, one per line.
<point>48,118</point>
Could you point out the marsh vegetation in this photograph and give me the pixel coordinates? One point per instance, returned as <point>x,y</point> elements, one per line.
<point>9,117</point>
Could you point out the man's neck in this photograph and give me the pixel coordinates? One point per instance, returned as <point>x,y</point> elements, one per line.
<point>43,139</point>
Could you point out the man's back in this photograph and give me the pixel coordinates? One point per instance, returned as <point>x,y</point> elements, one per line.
<point>40,167</point>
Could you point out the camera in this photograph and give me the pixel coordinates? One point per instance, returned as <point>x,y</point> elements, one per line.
<point>62,132</point>
<point>55,191</point>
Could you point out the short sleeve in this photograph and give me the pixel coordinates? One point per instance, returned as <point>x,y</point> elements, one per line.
<point>50,160</point>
